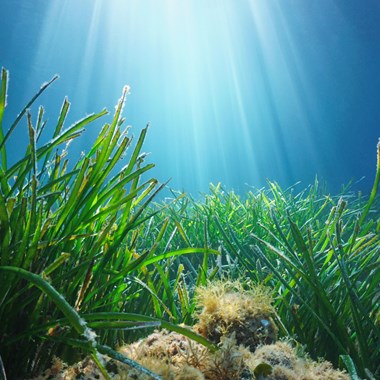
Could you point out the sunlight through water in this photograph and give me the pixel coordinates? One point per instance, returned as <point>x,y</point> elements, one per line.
<point>236,92</point>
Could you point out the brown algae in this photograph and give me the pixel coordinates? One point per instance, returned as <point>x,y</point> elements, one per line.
<point>228,308</point>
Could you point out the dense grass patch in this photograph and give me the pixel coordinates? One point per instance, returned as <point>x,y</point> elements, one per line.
<point>317,252</point>
<point>75,234</point>
<point>88,259</point>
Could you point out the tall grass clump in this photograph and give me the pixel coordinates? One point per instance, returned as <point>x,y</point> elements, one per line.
<point>75,270</point>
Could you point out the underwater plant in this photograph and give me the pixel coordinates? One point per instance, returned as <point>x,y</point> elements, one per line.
<point>73,271</point>
<point>318,252</point>
<point>89,261</point>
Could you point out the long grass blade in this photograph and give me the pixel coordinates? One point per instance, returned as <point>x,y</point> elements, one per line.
<point>73,317</point>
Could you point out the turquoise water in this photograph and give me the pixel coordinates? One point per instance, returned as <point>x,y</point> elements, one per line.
<point>236,91</point>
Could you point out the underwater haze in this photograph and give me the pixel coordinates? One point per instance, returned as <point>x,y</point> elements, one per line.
<point>236,91</point>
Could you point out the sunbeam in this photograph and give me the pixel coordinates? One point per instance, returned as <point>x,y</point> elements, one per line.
<point>236,92</point>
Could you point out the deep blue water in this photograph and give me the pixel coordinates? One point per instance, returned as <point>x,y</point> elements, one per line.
<point>236,91</point>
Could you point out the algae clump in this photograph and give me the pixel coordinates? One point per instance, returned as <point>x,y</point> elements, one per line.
<point>228,308</point>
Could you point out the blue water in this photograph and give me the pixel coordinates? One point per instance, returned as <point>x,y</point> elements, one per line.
<point>236,91</point>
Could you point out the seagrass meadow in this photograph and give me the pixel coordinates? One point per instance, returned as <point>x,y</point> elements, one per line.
<point>92,260</point>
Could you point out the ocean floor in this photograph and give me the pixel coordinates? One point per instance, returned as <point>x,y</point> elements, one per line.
<point>238,321</point>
